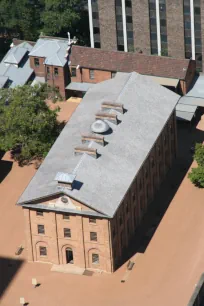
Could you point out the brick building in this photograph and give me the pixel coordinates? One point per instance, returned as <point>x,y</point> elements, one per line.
<point>90,65</point>
<point>86,201</point>
<point>162,27</point>
<point>49,60</point>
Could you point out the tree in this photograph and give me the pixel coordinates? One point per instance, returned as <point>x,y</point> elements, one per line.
<point>60,16</point>
<point>27,126</point>
<point>20,18</point>
<point>197,174</point>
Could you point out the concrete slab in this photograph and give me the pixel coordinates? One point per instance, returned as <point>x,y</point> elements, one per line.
<point>69,268</point>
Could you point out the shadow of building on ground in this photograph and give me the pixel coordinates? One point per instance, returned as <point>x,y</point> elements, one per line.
<point>8,269</point>
<point>188,135</point>
<point>5,167</point>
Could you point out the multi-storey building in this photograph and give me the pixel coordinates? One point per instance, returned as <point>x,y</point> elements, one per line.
<point>86,201</point>
<point>162,27</point>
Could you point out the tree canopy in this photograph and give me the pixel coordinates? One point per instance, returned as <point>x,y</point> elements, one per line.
<point>197,174</point>
<point>26,19</point>
<point>27,125</point>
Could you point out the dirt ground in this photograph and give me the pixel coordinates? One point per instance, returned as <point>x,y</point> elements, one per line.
<point>164,275</point>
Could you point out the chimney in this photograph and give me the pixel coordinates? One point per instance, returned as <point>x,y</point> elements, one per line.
<point>110,117</point>
<point>109,105</point>
<point>95,138</point>
<point>89,151</point>
<point>65,180</point>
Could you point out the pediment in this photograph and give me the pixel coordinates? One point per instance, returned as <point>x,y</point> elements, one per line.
<point>64,201</point>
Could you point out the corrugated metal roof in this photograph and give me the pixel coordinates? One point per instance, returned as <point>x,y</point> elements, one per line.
<point>80,86</point>
<point>53,50</point>
<point>17,75</point>
<point>103,182</point>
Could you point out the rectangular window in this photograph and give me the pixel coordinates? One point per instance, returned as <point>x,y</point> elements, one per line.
<point>66,217</point>
<point>56,71</point>
<point>41,229</point>
<point>93,236</point>
<point>92,220</point>
<point>120,220</point>
<point>43,251</point>
<point>36,62</point>
<point>39,213</point>
<point>91,74</point>
<point>73,72</point>
<point>95,259</point>
<point>48,70</point>
<point>97,45</point>
<point>67,233</point>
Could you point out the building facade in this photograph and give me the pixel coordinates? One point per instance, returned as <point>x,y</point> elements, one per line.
<point>90,65</point>
<point>87,213</point>
<point>161,27</point>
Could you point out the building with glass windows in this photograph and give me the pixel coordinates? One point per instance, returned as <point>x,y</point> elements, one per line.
<point>161,27</point>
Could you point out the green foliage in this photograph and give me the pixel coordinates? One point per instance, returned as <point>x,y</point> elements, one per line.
<point>27,125</point>
<point>26,19</point>
<point>197,174</point>
<point>199,154</point>
<point>20,18</point>
<point>59,16</point>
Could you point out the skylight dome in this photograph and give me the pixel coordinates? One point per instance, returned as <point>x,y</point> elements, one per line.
<point>100,126</point>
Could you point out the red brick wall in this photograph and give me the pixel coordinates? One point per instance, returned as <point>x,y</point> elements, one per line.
<point>82,75</point>
<point>80,242</point>
<point>57,80</point>
<point>143,190</point>
<point>39,71</point>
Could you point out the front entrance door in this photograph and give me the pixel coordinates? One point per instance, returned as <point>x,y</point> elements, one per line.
<point>69,256</point>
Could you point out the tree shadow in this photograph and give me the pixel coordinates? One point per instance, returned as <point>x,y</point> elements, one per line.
<point>187,135</point>
<point>5,167</point>
<point>8,269</point>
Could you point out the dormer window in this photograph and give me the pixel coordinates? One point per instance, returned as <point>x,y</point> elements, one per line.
<point>36,62</point>
<point>56,71</point>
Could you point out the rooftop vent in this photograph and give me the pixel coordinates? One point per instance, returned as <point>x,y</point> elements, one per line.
<point>100,126</point>
<point>89,151</point>
<point>110,117</point>
<point>95,138</point>
<point>65,180</point>
<point>109,105</point>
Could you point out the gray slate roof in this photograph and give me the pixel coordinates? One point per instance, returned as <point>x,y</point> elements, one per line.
<point>17,75</point>
<point>54,51</point>
<point>102,183</point>
<point>15,55</point>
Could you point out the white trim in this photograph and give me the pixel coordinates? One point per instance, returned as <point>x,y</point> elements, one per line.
<point>192,29</point>
<point>91,23</point>
<point>124,26</point>
<point>158,28</point>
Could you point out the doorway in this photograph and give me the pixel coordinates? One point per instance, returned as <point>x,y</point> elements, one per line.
<point>69,256</point>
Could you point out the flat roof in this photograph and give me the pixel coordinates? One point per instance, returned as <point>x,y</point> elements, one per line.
<point>192,101</point>
<point>165,81</point>
<point>103,182</point>
<point>80,86</point>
